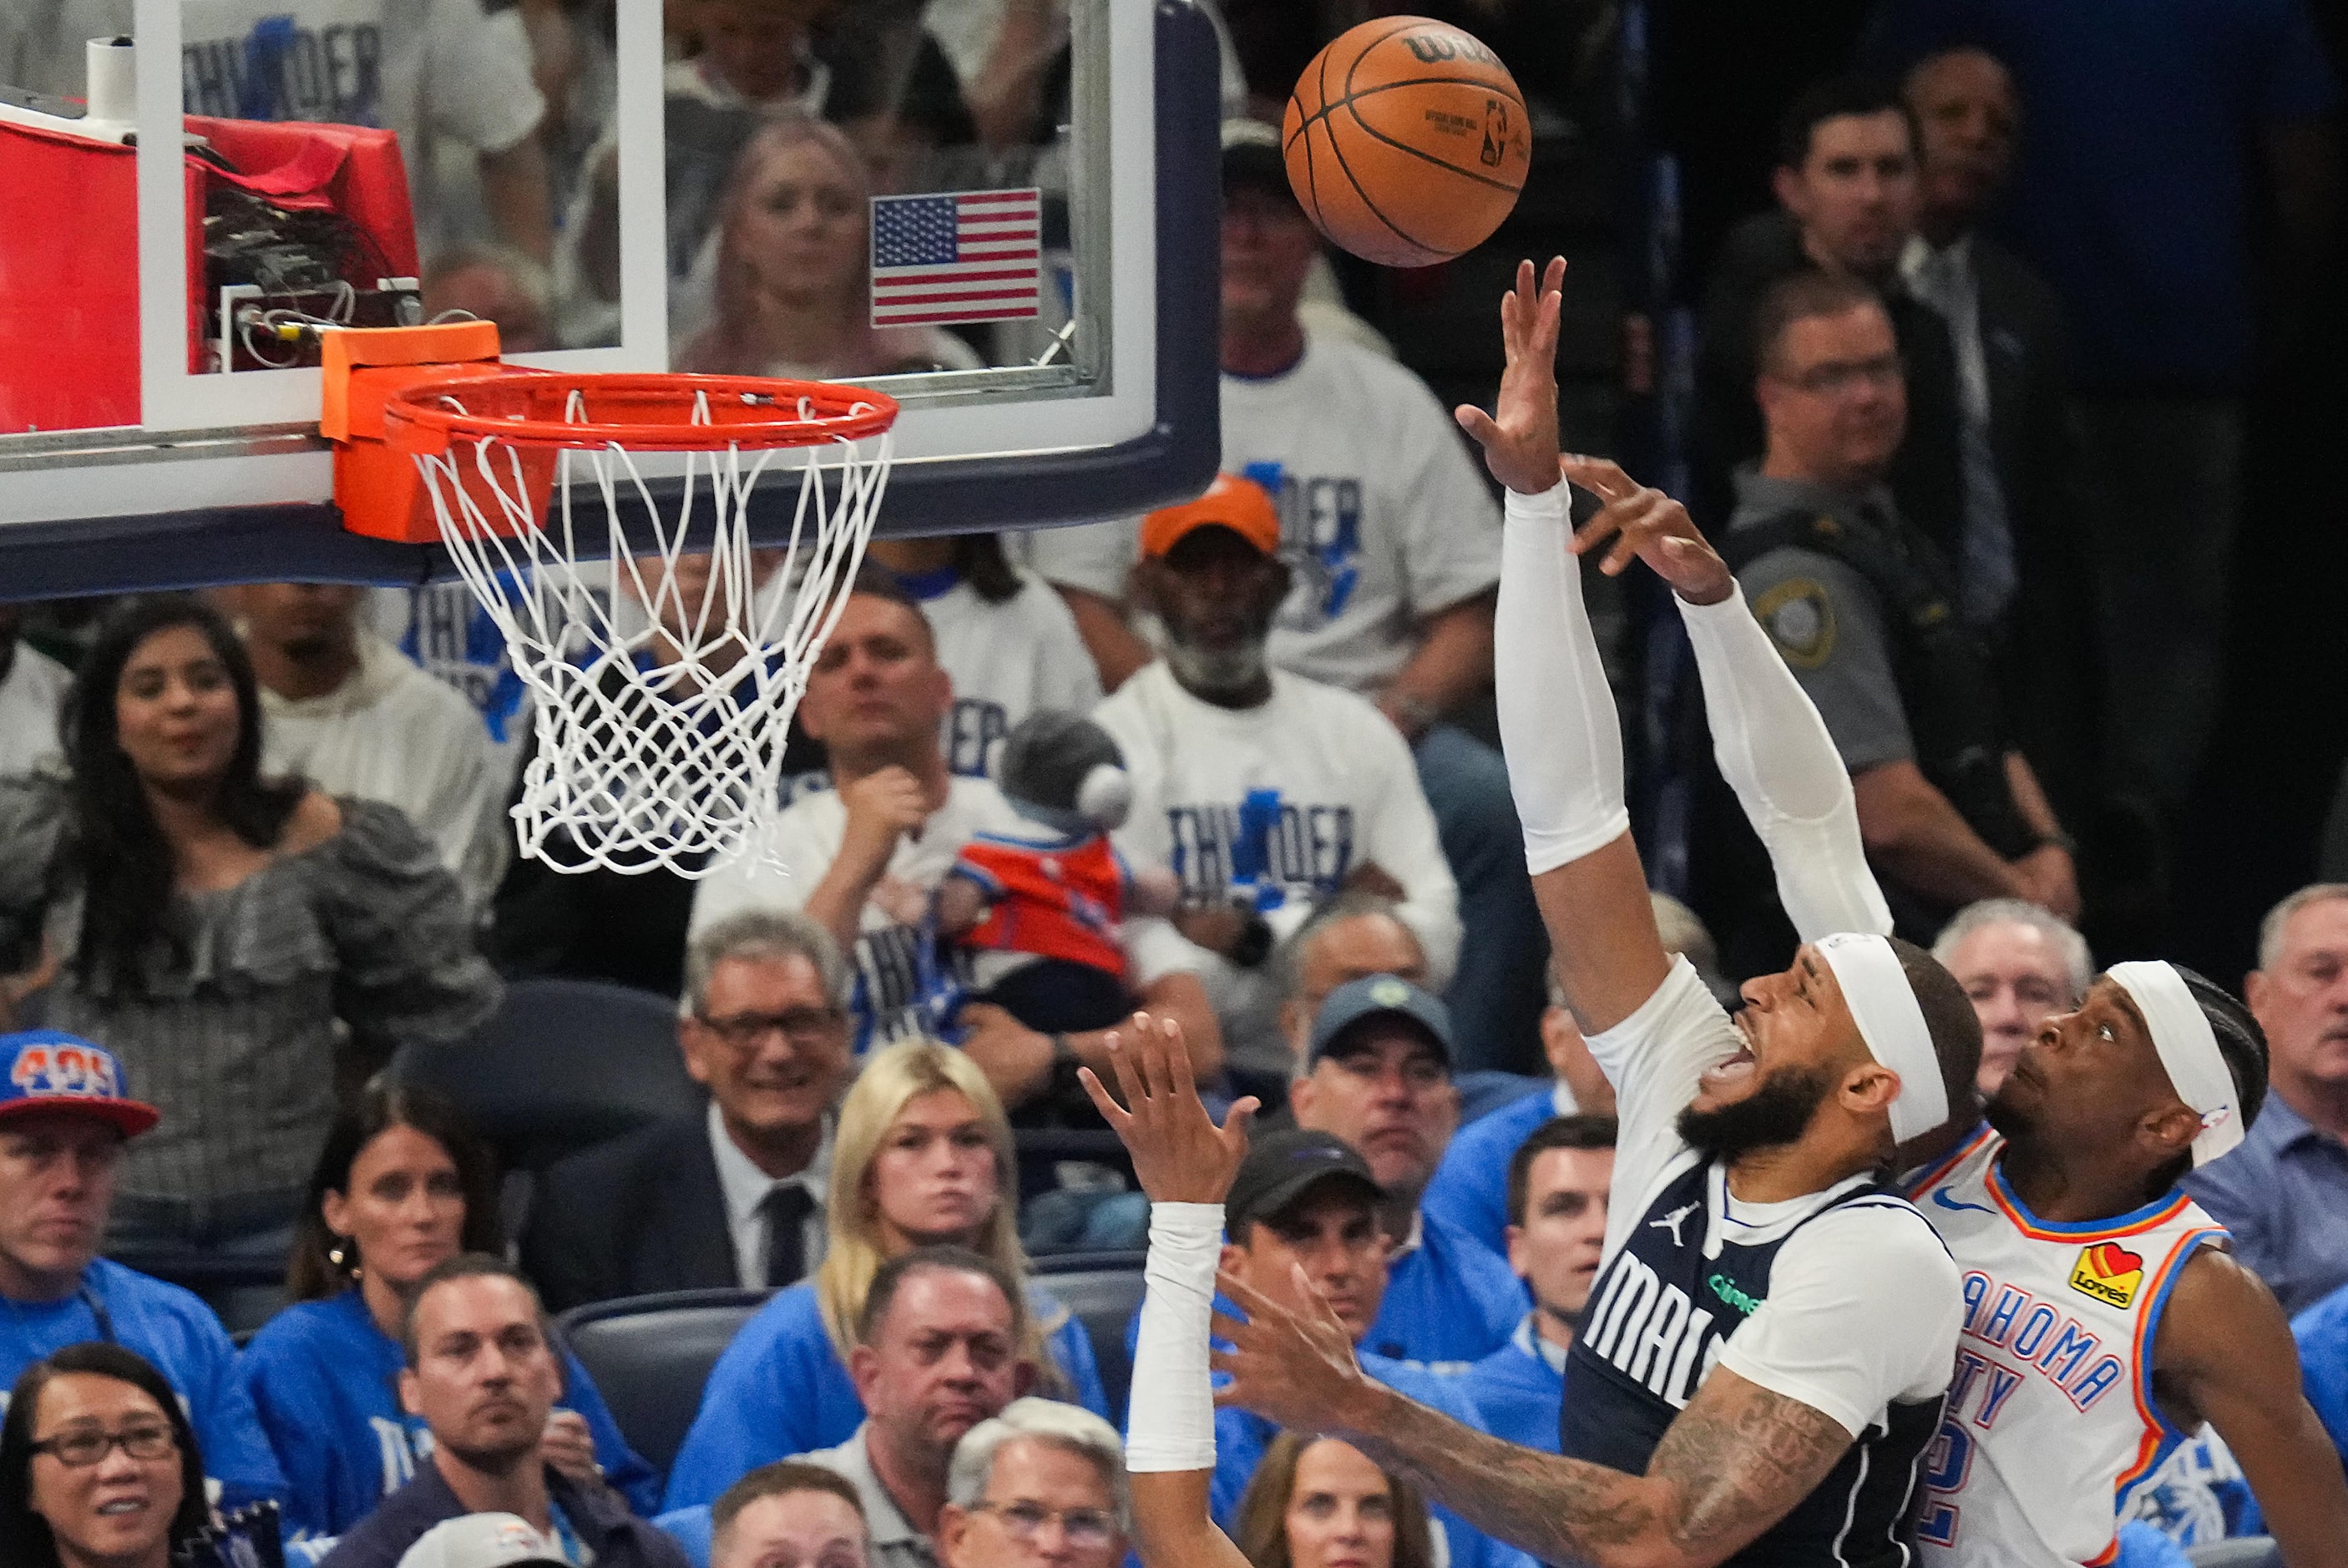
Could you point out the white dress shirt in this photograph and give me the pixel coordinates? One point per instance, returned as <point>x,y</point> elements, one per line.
<point>745,1188</point>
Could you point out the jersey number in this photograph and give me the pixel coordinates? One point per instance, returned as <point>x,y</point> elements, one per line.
<point>1946,1464</point>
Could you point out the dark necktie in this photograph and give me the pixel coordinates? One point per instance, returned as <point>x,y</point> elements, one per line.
<point>786,1209</point>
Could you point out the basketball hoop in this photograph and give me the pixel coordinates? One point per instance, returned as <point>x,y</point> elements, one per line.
<point>659,745</point>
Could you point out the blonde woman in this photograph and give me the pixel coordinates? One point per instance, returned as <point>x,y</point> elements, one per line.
<point>922,1156</point>
<point>787,269</point>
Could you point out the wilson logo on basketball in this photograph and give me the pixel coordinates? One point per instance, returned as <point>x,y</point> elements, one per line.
<point>2107,1272</point>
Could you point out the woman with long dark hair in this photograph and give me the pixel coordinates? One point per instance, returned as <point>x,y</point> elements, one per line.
<point>1317,1502</point>
<point>98,1464</point>
<point>402,1184</point>
<point>236,941</point>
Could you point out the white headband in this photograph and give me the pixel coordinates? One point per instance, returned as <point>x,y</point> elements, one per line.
<point>2188,1048</point>
<point>1883,1005</point>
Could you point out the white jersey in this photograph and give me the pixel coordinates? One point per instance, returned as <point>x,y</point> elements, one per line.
<point>1383,518</point>
<point>2051,1426</point>
<point>1007,661</point>
<point>1349,796</point>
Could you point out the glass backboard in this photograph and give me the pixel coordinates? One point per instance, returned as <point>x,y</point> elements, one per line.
<point>1001,211</point>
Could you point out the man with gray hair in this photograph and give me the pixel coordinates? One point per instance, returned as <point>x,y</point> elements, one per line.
<point>2020,965</point>
<point>2284,1192</point>
<point>1041,1483</point>
<point>732,1195</point>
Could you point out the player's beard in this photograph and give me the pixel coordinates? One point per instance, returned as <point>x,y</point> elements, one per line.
<point>1772,1116</point>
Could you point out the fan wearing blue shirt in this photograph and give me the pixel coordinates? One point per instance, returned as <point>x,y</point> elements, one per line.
<point>401,1185</point>
<point>1558,1179</point>
<point>65,1111</point>
<point>924,1147</point>
<point>1377,1075</point>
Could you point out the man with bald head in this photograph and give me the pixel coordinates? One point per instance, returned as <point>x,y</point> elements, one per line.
<point>2018,443</point>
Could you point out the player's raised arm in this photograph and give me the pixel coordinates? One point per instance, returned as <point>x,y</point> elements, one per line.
<point>1734,1461</point>
<point>1558,725</point>
<point>1185,1162</point>
<point>2225,1349</point>
<point>1772,747</point>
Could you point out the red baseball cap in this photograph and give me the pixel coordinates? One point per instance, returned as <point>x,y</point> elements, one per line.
<point>51,1070</point>
<point>1238,504</point>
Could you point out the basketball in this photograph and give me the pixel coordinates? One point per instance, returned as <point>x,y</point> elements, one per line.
<point>1406,141</point>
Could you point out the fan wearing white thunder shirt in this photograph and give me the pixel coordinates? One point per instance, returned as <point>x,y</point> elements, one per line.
<point>1771,1332</point>
<point>1213,721</point>
<point>866,857</point>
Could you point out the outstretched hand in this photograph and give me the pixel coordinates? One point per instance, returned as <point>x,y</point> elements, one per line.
<point>1520,436</point>
<point>1179,1155</point>
<point>1297,1370</point>
<point>1650,525</point>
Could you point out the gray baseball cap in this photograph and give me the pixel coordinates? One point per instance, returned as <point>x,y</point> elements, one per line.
<point>1377,997</point>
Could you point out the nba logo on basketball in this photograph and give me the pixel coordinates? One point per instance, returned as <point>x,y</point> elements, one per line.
<point>2108,1272</point>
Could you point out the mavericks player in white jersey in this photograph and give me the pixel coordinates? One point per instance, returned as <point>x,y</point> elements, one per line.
<point>1772,1332</point>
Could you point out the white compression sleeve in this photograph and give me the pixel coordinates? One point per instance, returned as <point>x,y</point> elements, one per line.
<point>1776,753</point>
<point>1171,1424</point>
<point>1558,728</point>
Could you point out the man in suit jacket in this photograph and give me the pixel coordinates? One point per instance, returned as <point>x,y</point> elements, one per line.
<point>2005,325</point>
<point>734,1196</point>
<point>1845,187</point>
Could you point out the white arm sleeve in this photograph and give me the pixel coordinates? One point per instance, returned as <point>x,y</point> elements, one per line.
<point>1557,729</point>
<point>1776,753</point>
<point>1171,1423</point>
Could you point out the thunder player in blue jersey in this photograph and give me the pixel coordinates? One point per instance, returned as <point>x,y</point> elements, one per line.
<point>1772,1330</point>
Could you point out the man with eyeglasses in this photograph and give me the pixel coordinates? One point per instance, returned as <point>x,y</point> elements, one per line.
<point>66,1112</point>
<point>1863,609</point>
<point>1041,1484</point>
<point>732,1195</point>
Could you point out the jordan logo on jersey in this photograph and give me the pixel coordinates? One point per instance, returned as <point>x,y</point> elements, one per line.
<point>2107,1272</point>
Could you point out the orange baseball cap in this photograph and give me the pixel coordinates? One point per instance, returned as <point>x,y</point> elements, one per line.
<point>1240,505</point>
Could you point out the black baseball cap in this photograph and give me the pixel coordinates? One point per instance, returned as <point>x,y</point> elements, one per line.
<point>1251,156</point>
<point>1378,996</point>
<point>1283,1167</point>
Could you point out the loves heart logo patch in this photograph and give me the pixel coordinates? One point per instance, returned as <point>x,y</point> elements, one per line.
<point>2107,1272</point>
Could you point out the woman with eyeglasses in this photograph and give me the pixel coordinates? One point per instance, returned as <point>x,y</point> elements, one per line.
<point>98,1468</point>
<point>921,1155</point>
<point>402,1184</point>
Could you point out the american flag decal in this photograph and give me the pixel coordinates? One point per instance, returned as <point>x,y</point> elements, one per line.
<point>970,255</point>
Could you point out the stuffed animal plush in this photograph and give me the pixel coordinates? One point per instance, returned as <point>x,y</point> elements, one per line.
<point>1056,892</point>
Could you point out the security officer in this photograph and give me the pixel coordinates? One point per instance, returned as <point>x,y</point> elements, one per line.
<point>1862,607</point>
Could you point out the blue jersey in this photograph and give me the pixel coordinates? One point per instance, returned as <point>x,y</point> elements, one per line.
<point>1241,1437</point>
<point>779,1389</point>
<point>325,1381</point>
<point>175,1330</point>
<point>1448,1299</point>
<point>1519,1388</point>
<point>1470,1190</point>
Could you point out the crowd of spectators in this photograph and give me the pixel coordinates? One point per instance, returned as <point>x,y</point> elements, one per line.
<point>1968,425</point>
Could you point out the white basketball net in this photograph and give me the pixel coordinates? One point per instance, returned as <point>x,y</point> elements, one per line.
<point>660,745</point>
